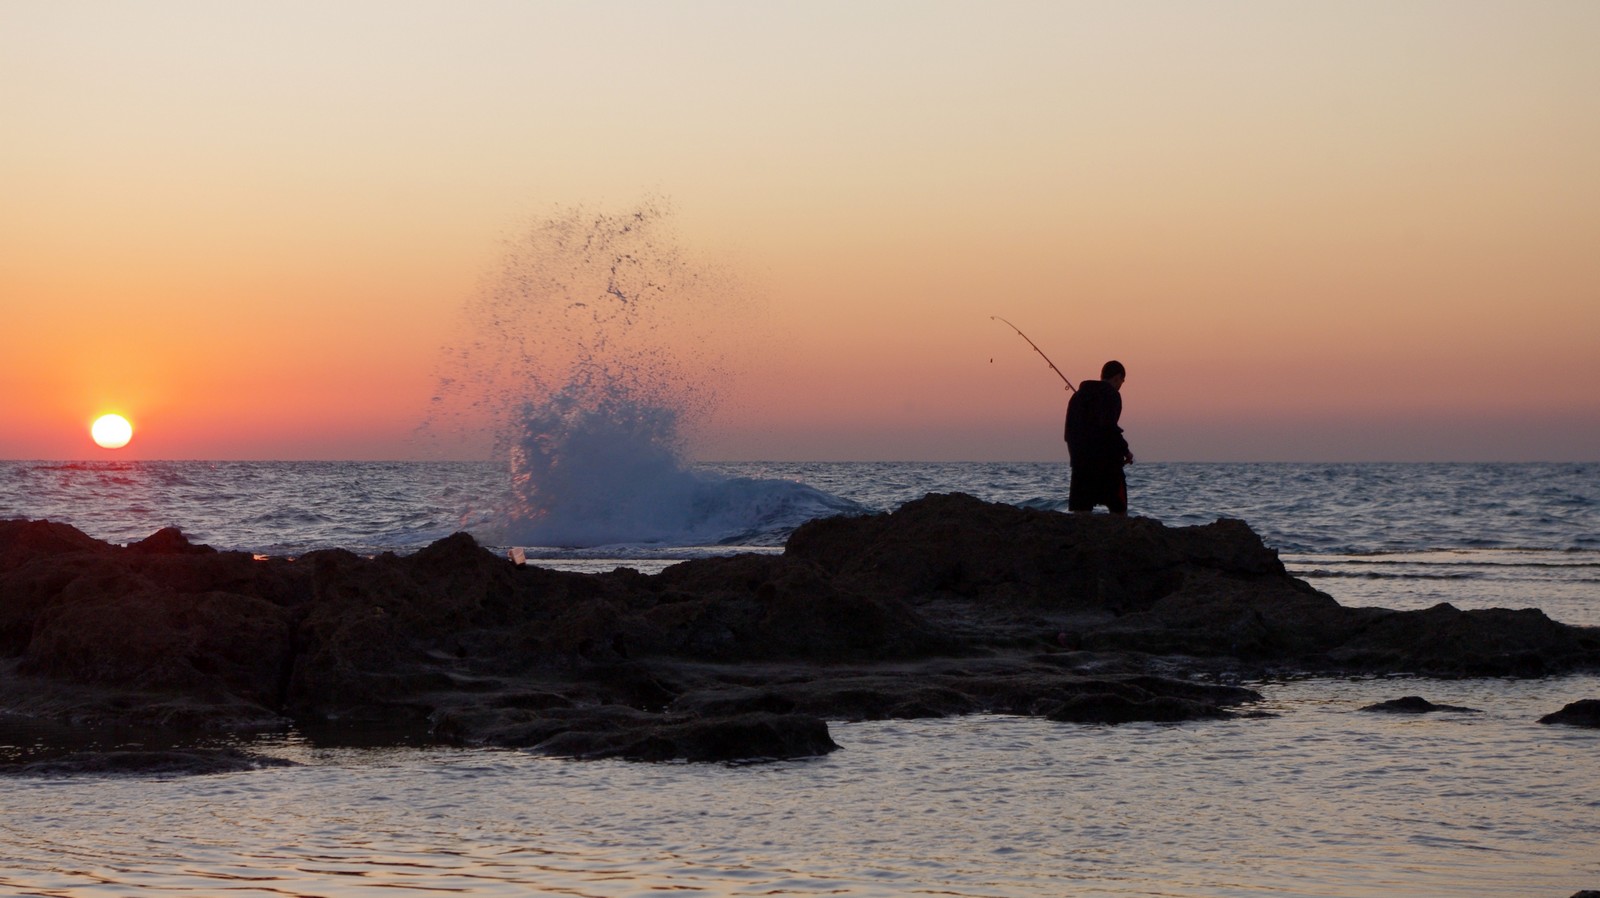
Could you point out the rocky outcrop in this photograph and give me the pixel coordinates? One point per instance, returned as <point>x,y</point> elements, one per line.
<point>1416,704</point>
<point>1581,713</point>
<point>159,762</point>
<point>948,605</point>
<point>743,737</point>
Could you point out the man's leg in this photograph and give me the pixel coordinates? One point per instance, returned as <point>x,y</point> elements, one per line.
<point>1117,495</point>
<point>1080,493</point>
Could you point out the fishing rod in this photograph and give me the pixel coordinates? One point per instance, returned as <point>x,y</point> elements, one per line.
<point>1039,351</point>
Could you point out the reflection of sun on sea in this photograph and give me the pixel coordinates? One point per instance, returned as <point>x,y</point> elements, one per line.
<point>111,431</point>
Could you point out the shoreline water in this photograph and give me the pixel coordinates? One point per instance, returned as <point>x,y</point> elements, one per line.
<point>1321,799</point>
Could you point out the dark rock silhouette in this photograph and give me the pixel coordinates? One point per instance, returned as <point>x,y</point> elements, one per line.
<point>1581,713</point>
<point>161,762</point>
<point>949,605</point>
<point>744,737</point>
<point>1108,707</point>
<point>1416,704</point>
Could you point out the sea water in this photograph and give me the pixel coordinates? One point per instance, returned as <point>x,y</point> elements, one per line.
<point>1319,799</point>
<point>1389,535</point>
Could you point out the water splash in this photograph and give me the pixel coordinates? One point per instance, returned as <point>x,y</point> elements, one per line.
<point>593,358</point>
<point>591,468</point>
<point>604,471</point>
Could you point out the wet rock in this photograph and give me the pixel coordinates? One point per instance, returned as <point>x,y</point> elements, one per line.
<point>948,605</point>
<point>1107,707</point>
<point>753,607</point>
<point>1581,713</point>
<point>168,541</point>
<point>1026,686</point>
<point>160,762</point>
<point>1446,641</point>
<point>121,631</point>
<point>1125,699</point>
<point>738,700</point>
<point>745,737</point>
<point>1213,614</point>
<point>619,732</point>
<point>958,545</point>
<point>23,542</point>
<point>1415,704</point>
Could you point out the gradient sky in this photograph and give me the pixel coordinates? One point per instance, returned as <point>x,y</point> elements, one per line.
<point>1312,231</point>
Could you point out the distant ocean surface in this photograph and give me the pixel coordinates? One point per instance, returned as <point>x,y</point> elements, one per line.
<point>1317,801</point>
<point>1390,535</point>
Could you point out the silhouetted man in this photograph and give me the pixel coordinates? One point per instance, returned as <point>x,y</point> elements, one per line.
<point>1095,443</point>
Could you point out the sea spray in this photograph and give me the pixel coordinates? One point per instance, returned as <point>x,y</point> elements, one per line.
<point>605,473</point>
<point>595,467</point>
<point>593,355</point>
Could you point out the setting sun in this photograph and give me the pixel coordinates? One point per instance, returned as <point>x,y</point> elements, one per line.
<point>111,431</point>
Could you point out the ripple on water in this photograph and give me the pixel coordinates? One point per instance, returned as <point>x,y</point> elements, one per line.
<point>1323,799</point>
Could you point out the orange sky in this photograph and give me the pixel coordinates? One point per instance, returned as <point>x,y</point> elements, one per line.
<point>1316,231</point>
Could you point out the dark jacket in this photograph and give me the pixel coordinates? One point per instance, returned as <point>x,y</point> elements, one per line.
<point>1092,433</point>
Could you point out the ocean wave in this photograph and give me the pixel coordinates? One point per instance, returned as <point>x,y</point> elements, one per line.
<point>1322,573</point>
<point>1563,559</point>
<point>411,504</point>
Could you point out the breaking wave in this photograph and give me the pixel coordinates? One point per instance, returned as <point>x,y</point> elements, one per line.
<point>595,355</point>
<point>600,470</point>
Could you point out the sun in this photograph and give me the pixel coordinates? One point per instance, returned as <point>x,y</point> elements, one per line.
<point>111,431</point>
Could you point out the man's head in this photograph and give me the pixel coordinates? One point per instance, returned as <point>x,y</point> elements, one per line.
<point>1113,373</point>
